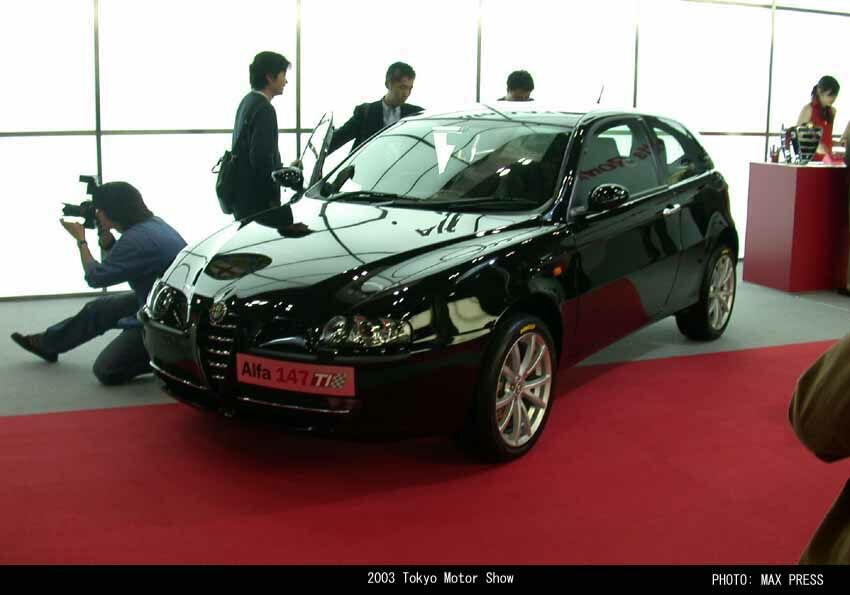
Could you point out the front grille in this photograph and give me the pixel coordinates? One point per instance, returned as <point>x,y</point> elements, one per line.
<point>216,344</point>
<point>284,335</point>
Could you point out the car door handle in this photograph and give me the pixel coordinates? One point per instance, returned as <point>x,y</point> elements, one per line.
<point>670,210</point>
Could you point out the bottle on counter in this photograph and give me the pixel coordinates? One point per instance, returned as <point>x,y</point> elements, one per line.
<point>774,154</point>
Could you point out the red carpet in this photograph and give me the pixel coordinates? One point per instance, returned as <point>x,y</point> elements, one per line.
<point>683,460</point>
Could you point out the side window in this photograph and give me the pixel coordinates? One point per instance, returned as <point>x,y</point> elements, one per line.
<point>679,154</point>
<point>615,153</point>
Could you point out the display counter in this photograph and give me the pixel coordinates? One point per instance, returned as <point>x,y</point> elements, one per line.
<point>796,237</point>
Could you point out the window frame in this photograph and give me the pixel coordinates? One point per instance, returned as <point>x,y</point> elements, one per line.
<point>676,129</point>
<point>592,131</point>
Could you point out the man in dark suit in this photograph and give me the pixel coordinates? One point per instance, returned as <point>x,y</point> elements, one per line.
<point>369,118</point>
<point>255,137</point>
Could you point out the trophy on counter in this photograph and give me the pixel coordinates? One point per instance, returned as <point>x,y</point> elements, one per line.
<point>799,143</point>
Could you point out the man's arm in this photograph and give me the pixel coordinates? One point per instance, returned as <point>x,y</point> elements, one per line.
<point>124,259</point>
<point>124,262</point>
<point>347,131</point>
<point>86,257</point>
<point>78,232</point>
<point>820,408</point>
<point>105,239</point>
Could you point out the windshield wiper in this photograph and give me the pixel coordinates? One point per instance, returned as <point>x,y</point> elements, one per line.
<point>454,204</point>
<point>364,196</point>
<point>483,201</point>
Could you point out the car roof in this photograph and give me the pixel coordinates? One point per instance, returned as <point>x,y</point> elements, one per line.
<point>528,112</point>
<point>502,110</point>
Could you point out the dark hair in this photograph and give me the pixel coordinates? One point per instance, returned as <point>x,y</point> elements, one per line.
<point>122,203</point>
<point>520,79</point>
<point>266,63</point>
<point>826,84</point>
<point>398,71</point>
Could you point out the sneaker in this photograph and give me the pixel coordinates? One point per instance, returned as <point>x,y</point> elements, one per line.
<point>32,343</point>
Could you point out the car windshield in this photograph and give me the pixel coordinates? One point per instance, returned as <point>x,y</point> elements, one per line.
<point>453,164</point>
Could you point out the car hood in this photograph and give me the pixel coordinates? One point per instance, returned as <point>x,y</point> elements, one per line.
<point>317,248</point>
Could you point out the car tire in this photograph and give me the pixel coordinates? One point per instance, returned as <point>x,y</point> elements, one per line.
<point>503,432</point>
<point>708,318</point>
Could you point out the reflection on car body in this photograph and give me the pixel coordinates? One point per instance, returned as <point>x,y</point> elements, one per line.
<point>451,265</point>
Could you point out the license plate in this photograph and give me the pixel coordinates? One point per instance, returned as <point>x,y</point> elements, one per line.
<point>335,381</point>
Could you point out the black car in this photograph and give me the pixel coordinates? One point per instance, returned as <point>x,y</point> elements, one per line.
<point>438,277</point>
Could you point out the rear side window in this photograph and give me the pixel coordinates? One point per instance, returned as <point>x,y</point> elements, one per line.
<point>680,156</point>
<point>615,153</point>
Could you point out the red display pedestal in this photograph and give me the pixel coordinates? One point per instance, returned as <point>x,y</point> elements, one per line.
<point>796,227</point>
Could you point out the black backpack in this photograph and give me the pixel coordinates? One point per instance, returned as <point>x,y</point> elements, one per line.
<point>226,168</point>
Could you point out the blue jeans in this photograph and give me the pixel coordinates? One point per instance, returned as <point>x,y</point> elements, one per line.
<point>124,358</point>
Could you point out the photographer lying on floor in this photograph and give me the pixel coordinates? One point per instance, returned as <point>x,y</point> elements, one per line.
<point>145,249</point>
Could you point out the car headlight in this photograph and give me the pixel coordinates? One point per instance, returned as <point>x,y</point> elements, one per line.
<point>154,292</point>
<point>359,331</point>
<point>164,300</point>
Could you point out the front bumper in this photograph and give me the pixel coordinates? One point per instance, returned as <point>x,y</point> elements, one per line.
<point>426,392</point>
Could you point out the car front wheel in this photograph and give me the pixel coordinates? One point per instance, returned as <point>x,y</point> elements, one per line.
<point>707,319</point>
<point>515,390</point>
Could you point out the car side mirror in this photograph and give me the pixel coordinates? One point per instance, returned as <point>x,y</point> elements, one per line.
<point>607,196</point>
<point>289,177</point>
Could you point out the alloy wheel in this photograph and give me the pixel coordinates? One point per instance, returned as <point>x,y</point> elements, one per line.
<point>721,292</point>
<point>523,391</point>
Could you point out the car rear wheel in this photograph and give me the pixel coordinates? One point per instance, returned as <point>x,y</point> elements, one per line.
<point>707,319</point>
<point>515,390</point>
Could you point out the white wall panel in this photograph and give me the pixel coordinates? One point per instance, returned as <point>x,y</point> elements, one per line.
<point>831,5</point>
<point>795,72</point>
<point>571,48</point>
<point>47,67</point>
<point>183,64</point>
<point>39,174</point>
<point>347,47</point>
<point>732,156</point>
<point>687,71</point>
<point>172,172</point>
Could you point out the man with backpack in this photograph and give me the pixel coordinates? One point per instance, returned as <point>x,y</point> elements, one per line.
<point>254,142</point>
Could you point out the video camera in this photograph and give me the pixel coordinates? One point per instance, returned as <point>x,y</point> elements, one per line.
<point>85,209</point>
